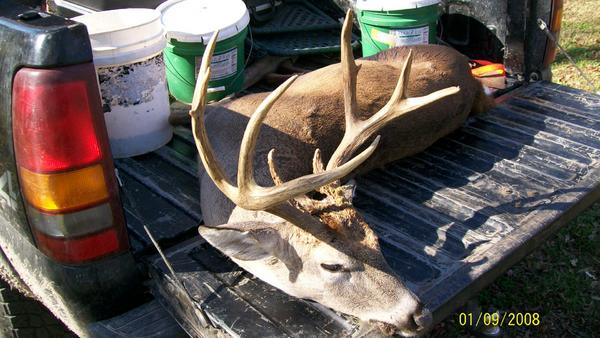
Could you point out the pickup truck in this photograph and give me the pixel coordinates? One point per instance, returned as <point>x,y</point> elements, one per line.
<point>450,219</point>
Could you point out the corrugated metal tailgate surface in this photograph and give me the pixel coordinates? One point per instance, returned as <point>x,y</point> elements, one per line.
<point>455,217</point>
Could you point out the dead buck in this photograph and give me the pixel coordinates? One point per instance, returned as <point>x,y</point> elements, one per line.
<point>303,234</point>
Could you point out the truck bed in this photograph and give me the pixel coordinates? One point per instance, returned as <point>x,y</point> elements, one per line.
<point>450,219</point>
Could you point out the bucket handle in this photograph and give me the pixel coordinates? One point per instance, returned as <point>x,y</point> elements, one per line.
<point>215,89</point>
<point>261,18</point>
<point>106,49</point>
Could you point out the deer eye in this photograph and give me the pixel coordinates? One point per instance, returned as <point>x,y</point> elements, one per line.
<point>332,267</point>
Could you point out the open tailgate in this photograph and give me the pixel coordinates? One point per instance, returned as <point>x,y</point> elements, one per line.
<point>450,219</point>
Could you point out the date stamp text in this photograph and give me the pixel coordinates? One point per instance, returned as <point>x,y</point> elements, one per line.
<point>499,319</point>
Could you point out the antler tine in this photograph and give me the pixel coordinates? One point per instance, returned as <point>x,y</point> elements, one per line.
<point>317,162</point>
<point>402,84</point>
<point>245,178</point>
<point>399,104</point>
<point>357,131</point>
<point>213,168</point>
<point>349,71</point>
<point>273,168</point>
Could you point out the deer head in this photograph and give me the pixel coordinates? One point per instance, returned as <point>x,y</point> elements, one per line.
<point>304,236</point>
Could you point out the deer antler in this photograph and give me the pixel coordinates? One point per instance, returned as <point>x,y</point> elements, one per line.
<point>248,194</point>
<point>357,131</point>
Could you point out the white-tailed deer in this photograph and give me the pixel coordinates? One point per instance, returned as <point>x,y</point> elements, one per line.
<point>289,220</point>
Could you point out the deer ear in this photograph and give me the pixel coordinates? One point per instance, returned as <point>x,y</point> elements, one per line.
<point>248,241</point>
<point>245,240</point>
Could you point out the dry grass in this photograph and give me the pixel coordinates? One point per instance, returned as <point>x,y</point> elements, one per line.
<point>561,280</point>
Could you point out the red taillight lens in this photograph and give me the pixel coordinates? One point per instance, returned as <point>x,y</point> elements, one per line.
<point>65,166</point>
<point>76,250</point>
<point>555,25</point>
<point>63,137</point>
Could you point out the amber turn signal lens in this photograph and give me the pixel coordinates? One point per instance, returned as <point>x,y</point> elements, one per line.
<point>64,191</point>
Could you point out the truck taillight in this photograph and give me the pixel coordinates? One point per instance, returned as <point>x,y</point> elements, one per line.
<point>65,166</point>
<point>555,24</point>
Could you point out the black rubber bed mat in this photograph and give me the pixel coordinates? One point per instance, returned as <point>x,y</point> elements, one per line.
<point>450,219</point>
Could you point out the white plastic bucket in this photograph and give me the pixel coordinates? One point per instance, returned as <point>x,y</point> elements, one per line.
<point>127,46</point>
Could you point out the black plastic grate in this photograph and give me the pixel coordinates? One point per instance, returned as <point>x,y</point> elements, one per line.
<point>314,42</point>
<point>296,16</point>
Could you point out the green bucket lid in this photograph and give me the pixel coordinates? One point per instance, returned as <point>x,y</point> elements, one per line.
<point>196,20</point>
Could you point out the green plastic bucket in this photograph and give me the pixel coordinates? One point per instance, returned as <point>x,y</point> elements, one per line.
<point>385,24</point>
<point>189,25</point>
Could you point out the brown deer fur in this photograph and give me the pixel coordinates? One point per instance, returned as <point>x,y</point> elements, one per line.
<point>310,114</point>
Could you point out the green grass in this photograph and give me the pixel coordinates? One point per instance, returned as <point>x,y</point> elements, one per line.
<point>580,37</point>
<point>561,279</point>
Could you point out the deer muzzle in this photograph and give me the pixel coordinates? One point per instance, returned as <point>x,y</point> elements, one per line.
<point>409,323</point>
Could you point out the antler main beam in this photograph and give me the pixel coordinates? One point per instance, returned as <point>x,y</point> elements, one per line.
<point>357,130</point>
<point>248,194</point>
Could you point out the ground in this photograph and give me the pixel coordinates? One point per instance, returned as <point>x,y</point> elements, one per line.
<point>560,280</point>
<point>580,37</point>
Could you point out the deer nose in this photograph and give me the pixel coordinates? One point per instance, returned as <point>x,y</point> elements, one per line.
<point>423,318</point>
<point>415,319</point>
